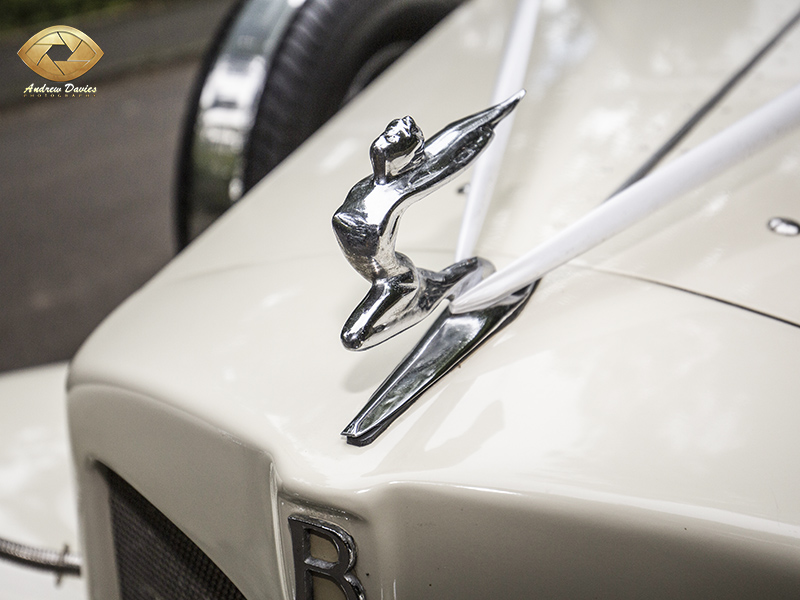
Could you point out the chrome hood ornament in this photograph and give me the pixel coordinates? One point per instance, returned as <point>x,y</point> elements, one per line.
<point>406,168</point>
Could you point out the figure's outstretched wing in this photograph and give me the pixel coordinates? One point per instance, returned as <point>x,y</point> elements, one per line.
<point>453,148</point>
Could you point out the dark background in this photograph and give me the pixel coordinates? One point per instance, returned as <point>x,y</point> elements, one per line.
<point>86,184</point>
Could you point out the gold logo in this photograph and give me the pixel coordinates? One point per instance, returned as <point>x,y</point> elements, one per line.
<point>85,53</point>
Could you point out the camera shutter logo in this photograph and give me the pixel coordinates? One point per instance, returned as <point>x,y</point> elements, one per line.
<point>85,53</point>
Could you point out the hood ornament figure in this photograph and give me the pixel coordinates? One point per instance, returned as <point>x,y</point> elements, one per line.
<point>406,168</point>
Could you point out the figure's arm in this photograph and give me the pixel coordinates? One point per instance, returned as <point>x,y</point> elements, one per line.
<point>453,149</point>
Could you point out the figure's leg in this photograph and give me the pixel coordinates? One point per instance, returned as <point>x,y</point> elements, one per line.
<point>453,280</point>
<point>373,320</point>
<point>395,304</point>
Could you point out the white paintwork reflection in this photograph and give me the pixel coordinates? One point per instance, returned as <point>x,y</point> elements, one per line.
<point>37,505</point>
<point>22,583</point>
<point>37,491</point>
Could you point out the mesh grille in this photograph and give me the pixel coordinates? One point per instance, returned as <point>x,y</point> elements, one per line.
<point>155,560</point>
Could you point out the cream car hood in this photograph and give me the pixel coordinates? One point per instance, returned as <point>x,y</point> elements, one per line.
<point>602,96</point>
<point>650,420</point>
<point>620,435</point>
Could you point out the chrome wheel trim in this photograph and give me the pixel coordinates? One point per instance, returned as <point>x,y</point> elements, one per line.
<point>226,106</point>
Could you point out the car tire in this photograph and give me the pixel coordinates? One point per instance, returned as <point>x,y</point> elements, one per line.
<point>327,52</point>
<point>333,49</point>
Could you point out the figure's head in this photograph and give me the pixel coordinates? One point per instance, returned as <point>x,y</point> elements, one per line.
<point>395,148</point>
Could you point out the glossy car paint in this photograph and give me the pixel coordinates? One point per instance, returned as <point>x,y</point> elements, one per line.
<point>622,438</point>
<point>37,491</point>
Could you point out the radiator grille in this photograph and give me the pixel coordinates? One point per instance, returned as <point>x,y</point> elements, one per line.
<point>155,560</point>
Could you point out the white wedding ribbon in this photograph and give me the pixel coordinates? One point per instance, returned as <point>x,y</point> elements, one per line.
<point>510,80</point>
<point>698,166</point>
